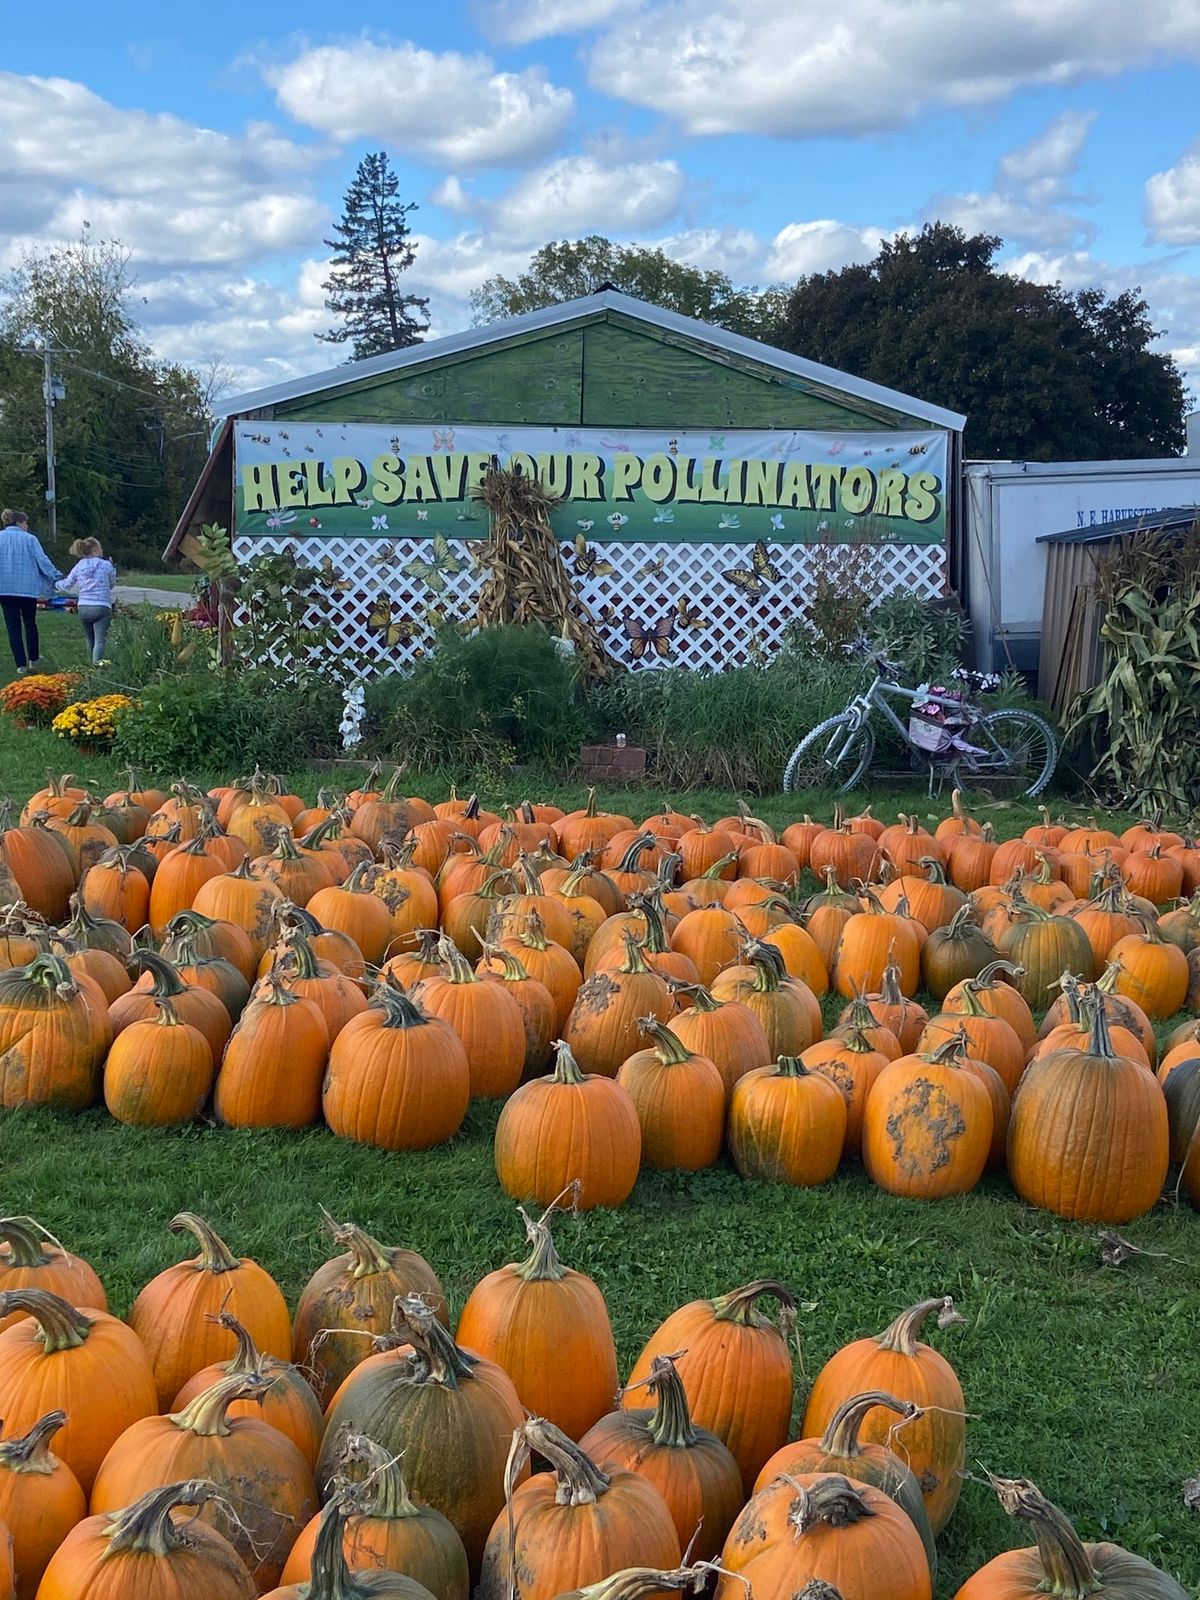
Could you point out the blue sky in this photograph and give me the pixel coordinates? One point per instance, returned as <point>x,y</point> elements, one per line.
<point>766,137</point>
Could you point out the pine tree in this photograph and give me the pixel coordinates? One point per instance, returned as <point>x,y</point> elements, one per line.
<point>371,250</point>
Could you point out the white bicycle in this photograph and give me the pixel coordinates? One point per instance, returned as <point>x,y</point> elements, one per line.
<point>945,729</point>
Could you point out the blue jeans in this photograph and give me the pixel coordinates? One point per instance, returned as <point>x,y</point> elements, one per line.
<point>95,621</point>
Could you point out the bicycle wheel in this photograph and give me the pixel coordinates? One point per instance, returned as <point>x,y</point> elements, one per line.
<point>837,752</point>
<point>1020,745</point>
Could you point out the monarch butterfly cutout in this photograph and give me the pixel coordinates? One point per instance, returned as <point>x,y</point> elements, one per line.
<point>754,579</point>
<point>589,564</point>
<point>442,564</point>
<point>382,620</point>
<point>654,636</point>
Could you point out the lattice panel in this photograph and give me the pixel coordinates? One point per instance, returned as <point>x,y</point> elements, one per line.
<point>683,592</point>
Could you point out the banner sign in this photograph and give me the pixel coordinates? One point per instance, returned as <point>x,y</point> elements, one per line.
<point>739,486</point>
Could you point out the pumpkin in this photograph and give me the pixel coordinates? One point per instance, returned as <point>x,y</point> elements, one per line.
<point>702,848</point>
<point>679,1097</point>
<point>550,964</point>
<point>336,997</point>
<point>485,1017</point>
<point>273,1066</point>
<point>735,1367</point>
<point>62,1358</point>
<point>931,901</point>
<point>1180,926</point>
<point>958,824</point>
<point>180,875</point>
<point>41,867</point>
<point>1089,1135</point>
<point>958,951</point>
<point>897,1362</point>
<point>247,901</point>
<point>467,917</point>
<point>850,1062</point>
<point>87,834</point>
<point>1044,946</point>
<point>858,1014</point>
<point>585,912</point>
<point>969,859</point>
<point>512,910</point>
<point>184,808</point>
<point>449,1414</point>
<point>388,1531</point>
<point>23,937</point>
<point>1060,1563</point>
<point>170,1315</point>
<point>787,1124</point>
<point>849,855</point>
<point>1180,1079</point>
<point>826,1529</point>
<point>92,932</point>
<point>351,1297</point>
<point>1122,1012</point>
<point>788,1010</point>
<point>1153,875</point>
<point>657,952</point>
<point>54,1036</point>
<point>147,1552</point>
<point>199,1008</point>
<point>928,1125</point>
<point>353,909</point>
<point>988,1038</point>
<point>340,851</point>
<point>726,1032</point>
<point>289,1404</point>
<point>602,1029</point>
<point>397,1077</point>
<point>895,1011</point>
<point>208,939</point>
<point>840,1450</point>
<point>693,1470</point>
<point>574,1525</point>
<point>384,819</point>
<point>872,941</point>
<point>801,957</point>
<point>220,977</point>
<point>32,1260</point>
<point>998,999</point>
<point>1151,972</point>
<point>567,1126</point>
<point>710,937</point>
<point>1075,1031</point>
<point>410,967</point>
<point>1105,919</point>
<point>257,1467</point>
<point>548,1327</point>
<point>158,1074</point>
<point>826,914</point>
<point>533,999</point>
<point>40,1501</point>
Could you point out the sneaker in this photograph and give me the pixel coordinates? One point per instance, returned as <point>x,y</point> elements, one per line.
<point>22,672</point>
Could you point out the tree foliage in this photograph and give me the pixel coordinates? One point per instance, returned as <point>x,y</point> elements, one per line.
<point>1041,373</point>
<point>131,432</point>
<point>568,269</point>
<point>372,249</point>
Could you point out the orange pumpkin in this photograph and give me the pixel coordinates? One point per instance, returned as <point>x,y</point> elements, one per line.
<point>158,1073</point>
<point>998,999</point>
<point>31,1260</point>
<point>181,873</point>
<point>874,941</point>
<point>928,1125</point>
<point>272,1070</point>
<point>787,1124</point>
<point>485,1017</point>
<point>850,1062</point>
<point>40,1502</point>
<point>198,1007</point>
<point>603,1027</point>
<point>499,965</point>
<point>788,1010</point>
<point>1151,972</point>
<point>725,1031</point>
<point>679,1097</point>
<point>54,1035</point>
<point>354,909</point>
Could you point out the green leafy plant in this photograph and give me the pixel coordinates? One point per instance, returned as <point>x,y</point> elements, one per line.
<point>928,637</point>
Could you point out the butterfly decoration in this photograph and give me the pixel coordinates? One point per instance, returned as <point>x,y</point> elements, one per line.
<point>443,438</point>
<point>654,568</point>
<point>384,556</point>
<point>442,564</point>
<point>777,523</point>
<point>422,516</point>
<point>716,441</point>
<point>280,519</point>
<point>588,563</point>
<point>365,504</point>
<point>572,441</point>
<point>688,615</point>
<point>606,615</point>
<point>754,579</point>
<point>382,620</point>
<point>331,575</point>
<point>655,636</point>
<point>379,524</point>
<point>729,519</point>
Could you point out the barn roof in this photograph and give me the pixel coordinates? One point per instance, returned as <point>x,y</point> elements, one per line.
<point>590,308</point>
<point>1176,519</point>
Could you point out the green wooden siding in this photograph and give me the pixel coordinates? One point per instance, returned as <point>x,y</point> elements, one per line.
<point>607,371</point>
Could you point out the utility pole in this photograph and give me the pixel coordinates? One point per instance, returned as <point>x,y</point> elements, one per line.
<point>53,389</point>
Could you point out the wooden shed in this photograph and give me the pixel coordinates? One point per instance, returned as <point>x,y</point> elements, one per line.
<point>704,477</point>
<point>1072,651</point>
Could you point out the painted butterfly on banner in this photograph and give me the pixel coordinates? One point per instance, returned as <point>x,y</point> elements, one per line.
<point>754,579</point>
<point>442,564</point>
<point>655,636</point>
<point>589,564</point>
<point>382,620</point>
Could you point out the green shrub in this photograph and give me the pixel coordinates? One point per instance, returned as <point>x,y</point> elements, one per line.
<point>499,696</point>
<point>928,637</point>
<point>228,722</point>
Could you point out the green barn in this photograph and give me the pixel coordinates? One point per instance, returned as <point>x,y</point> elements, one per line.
<point>705,478</point>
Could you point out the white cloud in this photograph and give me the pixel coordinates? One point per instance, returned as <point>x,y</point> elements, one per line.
<point>170,190</point>
<point>581,194</point>
<point>802,248</point>
<point>1051,157</point>
<point>1013,219</point>
<point>449,108</point>
<point>452,195</point>
<point>1173,201</point>
<point>521,21</point>
<point>794,69</point>
<point>734,251</point>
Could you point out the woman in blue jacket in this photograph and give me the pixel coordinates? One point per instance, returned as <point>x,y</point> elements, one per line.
<point>26,573</point>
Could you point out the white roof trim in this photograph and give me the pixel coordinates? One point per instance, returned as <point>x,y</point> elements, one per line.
<point>568,311</point>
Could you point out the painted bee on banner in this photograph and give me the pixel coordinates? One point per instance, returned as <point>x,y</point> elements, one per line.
<point>755,579</point>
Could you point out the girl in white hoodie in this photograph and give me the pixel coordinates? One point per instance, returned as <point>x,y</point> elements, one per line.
<point>93,575</point>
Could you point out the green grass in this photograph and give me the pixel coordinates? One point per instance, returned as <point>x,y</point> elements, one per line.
<point>155,578</point>
<point>1079,1376</point>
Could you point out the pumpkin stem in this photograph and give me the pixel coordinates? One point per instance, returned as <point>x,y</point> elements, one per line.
<point>790,1067</point>
<point>902,1337</point>
<point>399,1009</point>
<point>165,980</point>
<point>514,970</point>
<point>718,867</point>
<point>635,960</point>
<point>668,1047</point>
<point>1065,1564</point>
<point>841,1436</point>
<point>988,976</point>
<point>31,1452</point>
<point>642,1583</point>
<point>367,1256</point>
<point>215,1255</point>
<point>61,1326</point>
<point>578,1480</point>
<point>702,998</point>
<point>542,1264</point>
<point>390,1499</point>
<point>167,1017</point>
<point>738,1305</point>
<point>247,1357</point>
<point>767,961</point>
<point>889,987</point>
<point>25,1248</point>
<point>331,1576</point>
<point>436,1358</point>
<point>853,1036</point>
<point>832,1501</point>
<point>566,1068</point>
<point>147,1527</point>
<point>460,969</point>
<point>671,1425</point>
<point>205,1415</point>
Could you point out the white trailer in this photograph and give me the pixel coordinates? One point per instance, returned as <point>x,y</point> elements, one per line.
<point>1008,505</point>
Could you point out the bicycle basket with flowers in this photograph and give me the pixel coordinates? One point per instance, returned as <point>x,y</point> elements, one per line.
<point>935,725</point>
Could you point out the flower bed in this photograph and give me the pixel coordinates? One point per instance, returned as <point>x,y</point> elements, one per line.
<point>92,724</point>
<point>34,701</point>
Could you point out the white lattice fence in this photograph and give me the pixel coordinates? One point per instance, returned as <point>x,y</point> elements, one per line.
<point>684,592</point>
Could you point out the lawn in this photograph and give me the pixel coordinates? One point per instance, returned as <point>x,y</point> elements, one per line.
<point>157,578</point>
<point>1078,1375</point>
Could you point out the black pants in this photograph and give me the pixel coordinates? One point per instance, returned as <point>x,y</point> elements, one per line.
<point>21,612</point>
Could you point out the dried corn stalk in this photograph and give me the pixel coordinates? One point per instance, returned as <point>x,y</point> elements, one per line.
<point>526,578</point>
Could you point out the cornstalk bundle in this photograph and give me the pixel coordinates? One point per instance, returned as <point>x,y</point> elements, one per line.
<point>526,577</point>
